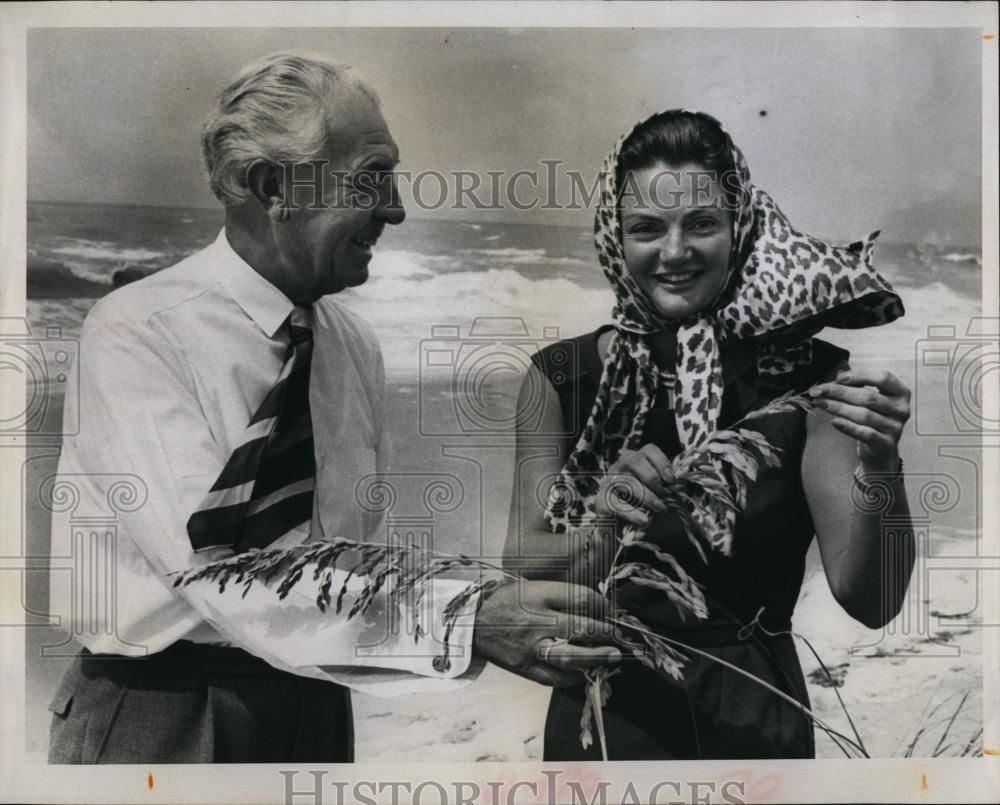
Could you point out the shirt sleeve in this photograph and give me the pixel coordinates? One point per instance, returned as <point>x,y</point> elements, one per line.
<point>140,416</point>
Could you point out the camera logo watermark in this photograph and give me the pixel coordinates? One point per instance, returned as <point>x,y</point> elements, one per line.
<point>962,364</point>
<point>41,361</point>
<point>471,368</point>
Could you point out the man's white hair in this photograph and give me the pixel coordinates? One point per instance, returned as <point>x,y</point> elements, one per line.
<point>276,109</point>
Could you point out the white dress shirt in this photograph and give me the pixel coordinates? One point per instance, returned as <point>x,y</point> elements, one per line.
<point>171,369</point>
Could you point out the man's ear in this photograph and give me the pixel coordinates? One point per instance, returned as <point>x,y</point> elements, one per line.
<point>264,183</point>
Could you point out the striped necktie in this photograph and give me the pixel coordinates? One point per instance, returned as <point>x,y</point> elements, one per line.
<point>266,488</point>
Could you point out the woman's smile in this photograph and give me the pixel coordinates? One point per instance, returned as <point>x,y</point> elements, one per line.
<point>677,280</point>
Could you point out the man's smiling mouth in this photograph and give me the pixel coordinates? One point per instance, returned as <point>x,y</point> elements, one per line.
<point>364,243</point>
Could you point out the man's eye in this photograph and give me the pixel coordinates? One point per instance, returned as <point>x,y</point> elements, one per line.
<point>373,179</point>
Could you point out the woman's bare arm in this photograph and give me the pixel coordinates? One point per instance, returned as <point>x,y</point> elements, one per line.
<point>867,566</point>
<point>531,546</point>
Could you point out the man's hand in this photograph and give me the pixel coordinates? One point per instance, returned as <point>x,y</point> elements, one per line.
<point>541,630</point>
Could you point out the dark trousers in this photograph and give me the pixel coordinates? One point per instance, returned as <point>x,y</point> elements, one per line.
<point>197,704</point>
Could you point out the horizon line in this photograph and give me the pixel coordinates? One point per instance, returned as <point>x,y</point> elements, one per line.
<point>220,208</point>
<point>424,219</point>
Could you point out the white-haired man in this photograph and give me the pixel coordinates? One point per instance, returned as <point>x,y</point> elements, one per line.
<point>244,402</point>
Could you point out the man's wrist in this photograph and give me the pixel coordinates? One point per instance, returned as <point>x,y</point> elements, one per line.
<point>484,597</point>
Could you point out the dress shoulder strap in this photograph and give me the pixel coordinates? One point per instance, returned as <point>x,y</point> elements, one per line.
<point>564,362</point>
<point>573,367</point>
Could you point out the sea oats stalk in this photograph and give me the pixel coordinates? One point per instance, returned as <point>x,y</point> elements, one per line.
<point>403,571</point>
<point>708,488</point>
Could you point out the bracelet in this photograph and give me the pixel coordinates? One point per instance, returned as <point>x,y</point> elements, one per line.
<point>894,480</point>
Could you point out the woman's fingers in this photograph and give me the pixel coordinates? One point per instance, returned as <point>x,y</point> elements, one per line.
<point>862,416</point>
<point>631,485</point>
<point>635,485</point>
<point>626,496</point>
<point>870,407</point>
<point>869,397</point>
<point>659,461</point>
<point>885,382</point>
<point>640,463</point>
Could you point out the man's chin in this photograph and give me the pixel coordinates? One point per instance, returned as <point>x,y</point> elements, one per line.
<point>359,277</point>
<point>351,280</point>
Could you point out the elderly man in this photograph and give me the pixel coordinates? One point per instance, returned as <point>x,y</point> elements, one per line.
<point>245,402</point>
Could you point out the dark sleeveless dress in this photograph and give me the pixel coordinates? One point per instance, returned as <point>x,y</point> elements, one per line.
<point>714,712</point>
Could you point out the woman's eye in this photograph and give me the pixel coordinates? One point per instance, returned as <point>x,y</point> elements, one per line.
<point>705,225</point>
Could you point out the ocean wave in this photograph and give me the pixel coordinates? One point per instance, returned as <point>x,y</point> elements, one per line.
<point>519,257</point>
<point>107,251</point>
<point>404,304</point>
<point>960,257</point>
<point>100,274</point>
<point>509,251</point>
<point>48,280</point>
<point>402,264</point>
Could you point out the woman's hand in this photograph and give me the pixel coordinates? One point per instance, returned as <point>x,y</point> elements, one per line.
<point>871,407</point>
<point>635,485</point>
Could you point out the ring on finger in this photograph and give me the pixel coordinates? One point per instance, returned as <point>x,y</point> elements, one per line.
<point>551,643</point>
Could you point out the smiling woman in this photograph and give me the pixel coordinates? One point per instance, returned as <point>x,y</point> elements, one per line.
<point>717,302</point>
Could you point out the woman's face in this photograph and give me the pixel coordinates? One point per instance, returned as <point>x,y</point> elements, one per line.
<point>677,236</point>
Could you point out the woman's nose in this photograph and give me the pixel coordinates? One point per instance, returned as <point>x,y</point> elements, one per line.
<point>673,247</point>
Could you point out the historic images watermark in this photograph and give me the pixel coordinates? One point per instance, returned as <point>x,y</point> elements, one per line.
<point>549,186</point>
<point>315,787</point>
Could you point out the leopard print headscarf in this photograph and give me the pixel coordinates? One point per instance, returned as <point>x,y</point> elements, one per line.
<point>784,288</point>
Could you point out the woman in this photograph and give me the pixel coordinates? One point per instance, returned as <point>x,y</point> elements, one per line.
<point>717,303</point>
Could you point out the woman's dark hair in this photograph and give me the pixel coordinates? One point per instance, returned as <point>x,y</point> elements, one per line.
<point>677,137</point>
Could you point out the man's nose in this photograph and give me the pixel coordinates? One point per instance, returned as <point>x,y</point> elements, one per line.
<point>391,209</point>
<point>673,246</point>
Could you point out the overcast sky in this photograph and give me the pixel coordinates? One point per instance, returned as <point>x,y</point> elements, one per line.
<point>863,128</point>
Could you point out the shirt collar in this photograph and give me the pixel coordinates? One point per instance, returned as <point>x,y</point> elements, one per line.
<point>258,298</point>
